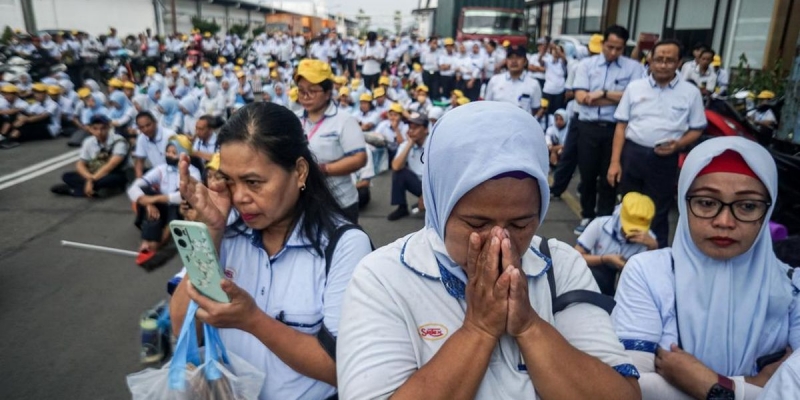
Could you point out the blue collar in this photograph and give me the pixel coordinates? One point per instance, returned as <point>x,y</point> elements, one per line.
<point>671,84</point>
<point>157,137</point>
<point>608,63</point>
<point>520,79</point>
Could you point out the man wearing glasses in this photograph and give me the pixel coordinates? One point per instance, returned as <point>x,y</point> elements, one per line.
<point>657,117</point>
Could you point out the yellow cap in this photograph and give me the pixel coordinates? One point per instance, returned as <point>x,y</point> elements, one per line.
<point>240,74</point>
<point>365,97</point>
<point>344,92</point>
<point>384,80</point>
<point>207,35</point>
<point>636,212</point>
<point>189,64</point>
<point>423,88</point>
<point>506,43</point>
<point>462,100</point>
<point>766,95</point>
<point>314,71</point>
<point>9,89</point>
<point>184,142</point>
<point>239,61</point>
<point>361,42</point>
<point>214,163</point>
<point>129,85</point>
<point>596,44</point>
<point>355,83</point>
<point>221,60</point>
<point>206,64</point>
<point>379,92</point>
<point>84,93</point>
<point>417,67</point>
<point>237,68</point>
<point>151,71</point>
<point>340,80</point>
<point>115,83</point>
<point>717,61</point>
<point>74,33</point>
<point>396,107</point>
<point>545,103</point>
<point>273,74</point>
<point>272,64</point>
<point>449,42</point>
<point>53,90</point>
<point>293,93</point>
<point>184,37</point>
<point>39,87</point>
<point>458,93</point>
<point>217,73</point>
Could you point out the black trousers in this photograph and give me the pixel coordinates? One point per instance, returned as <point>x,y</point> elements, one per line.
<point>646,172</point>
<point>35,131</point>
<point>370,81</point>
<point>471,93</point>
<point>606,277</point>
<point>152,230</point>
<point>447,84</point>
<point>568,162</point>
<point>114,180</point>
<point>404,181</point>
<point>595,139</point>
<point>351,212</point>
<point>556,101</point>
<point>431,80</point>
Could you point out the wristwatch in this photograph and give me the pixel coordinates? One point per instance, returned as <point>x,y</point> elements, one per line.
<point>605,94</point>
<point>722,390</point>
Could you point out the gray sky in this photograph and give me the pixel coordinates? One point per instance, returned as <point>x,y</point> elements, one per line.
<point>381,11</point>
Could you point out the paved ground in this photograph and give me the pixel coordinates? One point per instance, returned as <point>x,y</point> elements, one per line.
<point>70,317</point>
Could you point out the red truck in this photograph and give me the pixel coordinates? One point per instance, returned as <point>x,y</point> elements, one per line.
<point>498,24</point>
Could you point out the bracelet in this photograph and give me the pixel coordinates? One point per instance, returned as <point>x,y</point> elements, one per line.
<point>324,169</point>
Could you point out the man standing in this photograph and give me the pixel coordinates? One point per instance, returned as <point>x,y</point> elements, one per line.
<point>515,86</point>
<point>599,83</point>
<point>656,118</point>
<point>407,166</point>
<point>429,57</point>
<point>447,70</point>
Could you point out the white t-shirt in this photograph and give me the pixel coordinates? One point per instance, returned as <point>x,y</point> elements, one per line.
<point>372,67</point>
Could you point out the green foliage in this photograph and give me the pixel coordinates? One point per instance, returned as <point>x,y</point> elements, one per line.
<point>205,26</point>
<point>7,35</point>
<point>259,30</point>
<point>755,80</point>
<point>239,30</point>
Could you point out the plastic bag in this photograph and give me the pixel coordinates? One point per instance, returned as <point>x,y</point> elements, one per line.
<point>213,374</point>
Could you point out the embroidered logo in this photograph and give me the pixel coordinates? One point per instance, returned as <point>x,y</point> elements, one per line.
<point>229,273</point>
<point>433,331</point>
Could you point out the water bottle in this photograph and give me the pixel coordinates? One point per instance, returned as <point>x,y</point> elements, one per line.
<point>152,348</point>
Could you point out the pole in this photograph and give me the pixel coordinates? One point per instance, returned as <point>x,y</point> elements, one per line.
<point>28,16</point>
<point>102,249</point>
<point>174,17</point>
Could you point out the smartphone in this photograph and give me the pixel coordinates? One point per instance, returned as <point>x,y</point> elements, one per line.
<point>663,142</point>
<point>199,256</point>
<point>768,359</point>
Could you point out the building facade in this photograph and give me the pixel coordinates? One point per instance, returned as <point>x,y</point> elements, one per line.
<point>759,29</point>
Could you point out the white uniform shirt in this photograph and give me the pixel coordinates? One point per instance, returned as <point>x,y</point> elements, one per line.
<point>654,113</point>
<point>385,129</point>
<point>448,59</point>
<point>467,67</point>
<point>595,73</point>
<point>54,109</point>
<point>600,238</point>
<point>785,384</point>
<point>414,159</point>
<point>91,147</point>
<point>166,178</point>
<point>334,137</point>
<point>707,80</point>
<point>523,91</point>
<point>401,308</point>
<point>209,146</point>
<point>533,59</point>
<point>556,137</point>
<point>429,60</point>
<point>372,67</point>
<point>290,286</point>
<point>555,76</point>
<point>153,150</point>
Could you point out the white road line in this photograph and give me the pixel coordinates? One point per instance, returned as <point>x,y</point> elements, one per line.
<point>51,167</point>
<point>33,168</point>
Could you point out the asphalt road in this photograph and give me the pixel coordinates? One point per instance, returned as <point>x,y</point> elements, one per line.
<point>69,317</point>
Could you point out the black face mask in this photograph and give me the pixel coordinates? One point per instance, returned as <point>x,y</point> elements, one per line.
<point>763,107</point>
<point>172,161</point>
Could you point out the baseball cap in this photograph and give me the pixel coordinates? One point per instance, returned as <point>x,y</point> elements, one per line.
<point>423,88</point>
<point>596,43</point>
<point>764,95</point>
<point>314,71</point>
<point>115,83</point>
<point>417,118</point>
<point>717,61</point>
<point>396,107</point>
<point>129,85</point>
<point>636,212</point>
<point>355,83</point>
<point>99,119</point>
<point>365,97</point>
<point>384,80</point>
<point>294,92</point>
<point>84,93</point>
<point>458,93</point>
<point>39,87</point>
<point>182,144</point>
<point>506,43</point>
<point>9,89</point>
<point>217,73</point>
<point>517,51</point>
<point>379,92</point>
<point>344,92</point>
<point>340,80</point>
<point>462,100</point>
<point>214,163</point>
<point>221,60</point>
<point>53,90</point>
<point>449,42</point>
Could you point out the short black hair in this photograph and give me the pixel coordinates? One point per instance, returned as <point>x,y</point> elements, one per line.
<point>699,45</point>
<point>618,31</point>
<point>210,120</point>
<point>99,119</point>
<point>667,42</point>
<point>326,85</point>
<point>708,50</point>
<point>145,114</point>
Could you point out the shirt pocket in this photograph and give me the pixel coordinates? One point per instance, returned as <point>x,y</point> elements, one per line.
<point>679,113</point>
<point>305,321</point>
<point>621,83</point>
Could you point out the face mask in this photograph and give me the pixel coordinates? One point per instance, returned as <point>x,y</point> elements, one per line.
<point>422,98</point>
<point>172,161</point>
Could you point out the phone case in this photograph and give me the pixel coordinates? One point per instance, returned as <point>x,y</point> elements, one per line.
<point>199,256</point>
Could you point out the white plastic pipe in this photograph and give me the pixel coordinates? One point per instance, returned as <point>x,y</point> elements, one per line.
<point>102,249</point>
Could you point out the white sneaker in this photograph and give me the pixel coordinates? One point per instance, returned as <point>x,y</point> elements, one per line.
<point>582,227</point>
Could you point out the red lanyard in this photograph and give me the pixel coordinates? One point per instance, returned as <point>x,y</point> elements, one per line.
<point>315,128</point>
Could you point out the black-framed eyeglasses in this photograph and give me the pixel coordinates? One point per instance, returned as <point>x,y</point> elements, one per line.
<point>311,93</point>
<point>743,210</point>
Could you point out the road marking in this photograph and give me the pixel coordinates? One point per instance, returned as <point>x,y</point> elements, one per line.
<point>39,169</point>
<point>34,167</point>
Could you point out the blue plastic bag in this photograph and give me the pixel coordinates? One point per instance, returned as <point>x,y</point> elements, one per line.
<point>210,374</point>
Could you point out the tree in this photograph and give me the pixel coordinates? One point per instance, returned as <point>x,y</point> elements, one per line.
<point>205,26</point>
<point>258,30</point>
<point>239,30</point>
<point>7,35</point>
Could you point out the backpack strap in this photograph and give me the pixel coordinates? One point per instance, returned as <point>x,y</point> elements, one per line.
<point>325,337</point>
<point>574,296</point>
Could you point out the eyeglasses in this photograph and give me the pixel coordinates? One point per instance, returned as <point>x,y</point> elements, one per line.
<point>743,210</point>
<point>309,93</point>
<point>665,61</point>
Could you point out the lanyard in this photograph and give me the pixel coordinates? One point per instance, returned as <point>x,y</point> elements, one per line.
<point>315,128</point>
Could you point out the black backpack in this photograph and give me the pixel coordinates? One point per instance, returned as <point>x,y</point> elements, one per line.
<point>574,296</point>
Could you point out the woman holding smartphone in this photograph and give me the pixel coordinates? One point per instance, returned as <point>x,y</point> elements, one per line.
<point>284,302</point>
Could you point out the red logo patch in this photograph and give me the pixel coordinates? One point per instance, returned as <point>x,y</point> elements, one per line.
<point>432,331</point>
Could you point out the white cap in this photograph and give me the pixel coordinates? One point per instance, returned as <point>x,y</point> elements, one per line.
<point>435,113</point>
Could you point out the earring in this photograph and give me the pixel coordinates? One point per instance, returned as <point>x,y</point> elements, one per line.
<point>303,188</point>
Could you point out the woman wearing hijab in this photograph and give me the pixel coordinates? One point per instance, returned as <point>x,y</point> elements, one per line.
<point>213,103</point>
<point>285,297</point>
<point>189,106</point>
<point>279,95</point>
<point>92,84</point>
<point>171,116</point>
<point>462,308</point>
<point>121,114</point>
<point>697,318</point>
